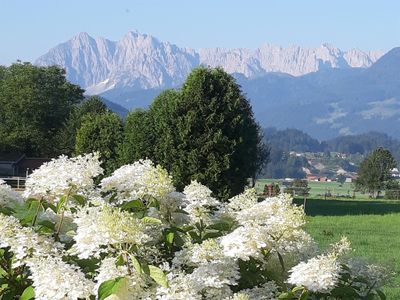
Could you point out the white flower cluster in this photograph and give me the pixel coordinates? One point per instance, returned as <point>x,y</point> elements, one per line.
<point>271,225</point>
<point>62,176</point>
<point>139,180</point>
<point>198,202</point>
<point>102,226</point>
<point>242,201</point>
<point>24,242</point>
<point>267,291</point>
<point>43,257</point>
<point>8,197</point>
<point>321,273</point>
<point>54,279</point>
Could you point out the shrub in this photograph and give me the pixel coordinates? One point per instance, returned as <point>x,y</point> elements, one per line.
<point>134,237</point>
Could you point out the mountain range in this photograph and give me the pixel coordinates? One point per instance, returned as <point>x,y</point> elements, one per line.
<point>324,91</point>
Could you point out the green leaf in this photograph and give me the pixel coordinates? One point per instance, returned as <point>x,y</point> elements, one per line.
<point>140,266</point>
<point>47,205</point>
<point>344,291</point>
<point>26,212</point>
<point>178,240</point>
<point>61,203</point>
<point>47,224</point>
<point>381,294</point>
<point>304,295</point>
<point>110,287</point>
<point>29,293</point>
<point>287,296</point>
<point>281,261</point>
<point>150,220</point>
<point>79,199</point>
<point>132,204</point>
<point>159,276</point>
<point>169,237</point>
<point>119,261</point>
<point>136,264</point>
<point>297,288</point>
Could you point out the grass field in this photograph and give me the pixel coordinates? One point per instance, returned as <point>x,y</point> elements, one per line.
<point>372,226</point>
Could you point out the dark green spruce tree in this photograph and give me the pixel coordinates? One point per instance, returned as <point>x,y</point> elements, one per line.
<point>207,132</point>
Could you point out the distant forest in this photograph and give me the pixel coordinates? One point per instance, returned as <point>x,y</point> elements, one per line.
<point>282,142</point>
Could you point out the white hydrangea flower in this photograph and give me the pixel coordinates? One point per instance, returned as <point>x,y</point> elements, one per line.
<point>170,209</point>
<point>276,212</point>
<point>24,242</point>
<point>62,176</point>
<point>216,274</point>
<point>321,273</point>
<point>218,293</point>
<point>242,201</point>
<point>199,202</point>
<point>267,291</point>
<point>134,287</point>
<point>139,180</point>
<point>198,254</point>
<point>246,241</point>
<point>54,279</point>
<point>102,226</point>
<point>180,287</point>
<point>318,274</point>
<point>271,225</point>
<point>8,197</point>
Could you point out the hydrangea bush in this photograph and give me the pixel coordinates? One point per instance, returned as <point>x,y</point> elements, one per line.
<point>133,236</point>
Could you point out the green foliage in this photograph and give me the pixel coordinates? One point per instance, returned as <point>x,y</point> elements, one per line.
<point>66,138</point>
<point>111,287</point>
<point>283,165</point>
<point>298,188</point>
<point>137,141</point>
<point>14,282</point>
<point>392,190</point>
<point>341,178</point>
<point>164,117</point>
<point>207,132</point>
<point>34,103</point>
<point>102,133</point>
<point>292,140</point>
<point>374,172</point>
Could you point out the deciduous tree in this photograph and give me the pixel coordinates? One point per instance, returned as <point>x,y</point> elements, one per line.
<point>102,133</point>
<point>375,172</point>
<point>34,103</point>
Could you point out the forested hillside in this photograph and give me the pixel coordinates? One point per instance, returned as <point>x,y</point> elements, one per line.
<point>283,163</point>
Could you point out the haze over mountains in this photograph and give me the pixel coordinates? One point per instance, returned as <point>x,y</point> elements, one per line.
<point>324,91</point>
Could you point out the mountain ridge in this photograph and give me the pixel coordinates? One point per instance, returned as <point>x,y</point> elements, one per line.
<point>142,61</point>
<point>323,91</point>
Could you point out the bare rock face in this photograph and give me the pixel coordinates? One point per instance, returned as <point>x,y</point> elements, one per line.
<point>140,61</point>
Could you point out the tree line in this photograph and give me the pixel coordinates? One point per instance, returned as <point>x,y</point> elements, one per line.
<point>204,131</point>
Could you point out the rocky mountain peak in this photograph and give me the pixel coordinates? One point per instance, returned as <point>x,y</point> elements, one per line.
<point>141,61</point>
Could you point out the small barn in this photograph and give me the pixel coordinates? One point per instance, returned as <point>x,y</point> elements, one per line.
<point>9,163</point>
<point>16,164</point>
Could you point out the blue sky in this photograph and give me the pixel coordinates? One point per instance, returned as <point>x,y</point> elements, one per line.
<point>30,28</point>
